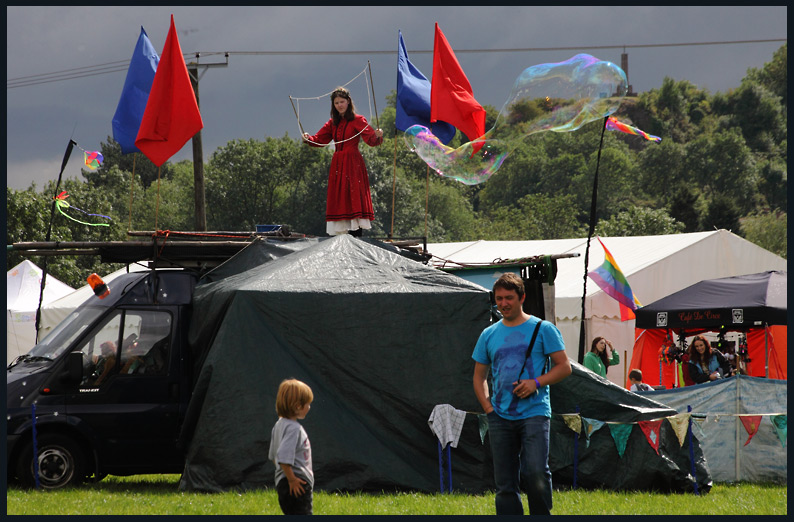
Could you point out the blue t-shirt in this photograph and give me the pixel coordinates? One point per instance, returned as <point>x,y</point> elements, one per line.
<point>504,348</point>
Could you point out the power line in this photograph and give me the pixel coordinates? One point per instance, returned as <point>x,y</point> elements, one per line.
<point>122,65</point>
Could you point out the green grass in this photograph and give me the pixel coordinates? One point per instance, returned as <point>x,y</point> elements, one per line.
<point>158,495</point>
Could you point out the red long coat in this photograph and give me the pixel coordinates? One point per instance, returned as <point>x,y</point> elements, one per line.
<point>348,182</point>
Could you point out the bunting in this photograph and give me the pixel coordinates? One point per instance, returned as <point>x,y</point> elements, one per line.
<point>620,434</point>
<point>751,424</point>
<point>680,424</point>
<point>611,280</point>
<point>590,427</point>
<point>573,421</point>
<point>780,423</point>
<point>652,431</point>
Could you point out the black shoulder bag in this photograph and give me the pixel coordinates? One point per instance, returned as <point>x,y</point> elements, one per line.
<point>529,353</point>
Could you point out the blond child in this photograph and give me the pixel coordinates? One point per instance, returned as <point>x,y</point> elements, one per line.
<point>290,449</point>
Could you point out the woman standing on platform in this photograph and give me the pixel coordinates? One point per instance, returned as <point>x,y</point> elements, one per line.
<point>349,204</point>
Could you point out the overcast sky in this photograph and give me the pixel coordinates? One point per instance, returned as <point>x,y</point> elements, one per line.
<point>250,97</point>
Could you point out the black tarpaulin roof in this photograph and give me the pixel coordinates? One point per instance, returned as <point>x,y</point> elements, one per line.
<point>735,302</point>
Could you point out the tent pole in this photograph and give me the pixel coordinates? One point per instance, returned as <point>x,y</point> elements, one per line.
<point>738,422</point>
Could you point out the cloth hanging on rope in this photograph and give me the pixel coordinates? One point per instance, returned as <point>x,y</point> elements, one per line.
<point>447,423</point>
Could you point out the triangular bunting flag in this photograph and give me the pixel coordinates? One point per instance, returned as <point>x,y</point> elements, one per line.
<point>751,423</point>
<point>620,434</point>
<point>680,423</point>
<point>781,422</point>
<point>590,427</point>
<point>482,420</point>
<point>573,421</point>
<point>651,430</point>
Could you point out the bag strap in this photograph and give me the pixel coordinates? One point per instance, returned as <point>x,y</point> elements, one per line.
<point>529,350</point>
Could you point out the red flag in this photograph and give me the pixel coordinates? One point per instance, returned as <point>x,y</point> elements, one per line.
<point>451,97</point>
<point>652,430</point>
<point>751,423</point>
<point>172,115</point>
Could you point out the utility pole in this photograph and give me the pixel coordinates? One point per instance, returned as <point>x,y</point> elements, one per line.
<point>198,151</point>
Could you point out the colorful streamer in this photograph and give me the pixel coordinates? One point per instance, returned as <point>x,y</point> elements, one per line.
<point>61,204</point>
<point>615,125</point>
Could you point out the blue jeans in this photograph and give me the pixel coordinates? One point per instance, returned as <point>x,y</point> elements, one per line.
<point>520,451</point>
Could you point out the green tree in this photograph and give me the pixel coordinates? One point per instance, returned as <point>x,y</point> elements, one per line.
<point>773,75</point>
<point>684,207</point>
<point>535,216</point>
<point>768,230</point>
<point>639,221</point>
<point>722,212</point>
<point>722,164</point>
<point>247,182</point>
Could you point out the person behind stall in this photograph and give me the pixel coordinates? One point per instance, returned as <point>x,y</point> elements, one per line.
<point>601,356</point>
<point>635,377</point>
<point>349,202</point>
<point>290,449</point>
<point>705,363</point>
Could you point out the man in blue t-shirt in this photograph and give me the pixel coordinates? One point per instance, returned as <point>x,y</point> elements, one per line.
<point>519,410</point>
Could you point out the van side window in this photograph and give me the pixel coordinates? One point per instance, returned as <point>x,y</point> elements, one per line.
<point>129,342</point>
<point>146,350</point>
<point>100,353</point>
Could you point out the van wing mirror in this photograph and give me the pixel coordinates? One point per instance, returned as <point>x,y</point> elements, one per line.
<point>74,367</point>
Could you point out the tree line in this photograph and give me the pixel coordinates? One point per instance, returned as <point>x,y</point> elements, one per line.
<point>722,163</point>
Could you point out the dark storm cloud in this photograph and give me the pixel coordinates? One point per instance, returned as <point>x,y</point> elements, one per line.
<point>250,97</point>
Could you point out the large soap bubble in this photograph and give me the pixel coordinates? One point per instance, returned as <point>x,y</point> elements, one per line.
<point>558,97</point>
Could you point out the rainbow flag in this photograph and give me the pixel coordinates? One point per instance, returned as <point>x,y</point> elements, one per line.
<point>612,281</point>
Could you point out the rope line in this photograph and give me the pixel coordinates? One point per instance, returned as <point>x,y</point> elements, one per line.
<point>297,107</point>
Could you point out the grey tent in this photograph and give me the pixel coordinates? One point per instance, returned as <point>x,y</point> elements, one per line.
<point>381,340</point>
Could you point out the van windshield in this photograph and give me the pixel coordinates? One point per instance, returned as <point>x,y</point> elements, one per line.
<point>62,336</point>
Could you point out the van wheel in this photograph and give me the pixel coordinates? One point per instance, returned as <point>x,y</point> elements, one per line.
<point>60,463</point>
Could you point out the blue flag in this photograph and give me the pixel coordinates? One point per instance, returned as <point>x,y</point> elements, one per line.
<point>135,94</point>
<point>413,98</point>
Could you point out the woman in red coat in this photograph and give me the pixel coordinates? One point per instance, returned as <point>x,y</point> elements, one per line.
<point>349,206</point>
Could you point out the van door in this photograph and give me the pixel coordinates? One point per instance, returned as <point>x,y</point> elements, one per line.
<point>129,395</point>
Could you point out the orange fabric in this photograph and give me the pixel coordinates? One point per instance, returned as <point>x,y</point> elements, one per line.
<point>777,344</point>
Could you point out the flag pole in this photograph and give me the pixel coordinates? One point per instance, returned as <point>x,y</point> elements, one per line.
<point>66,156</point>
<point>427,196</point>
<point>374,101</point>
<point>132,189</point>
<point>593,202</point>
<point>393,186</point>
<point>296,116</point>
